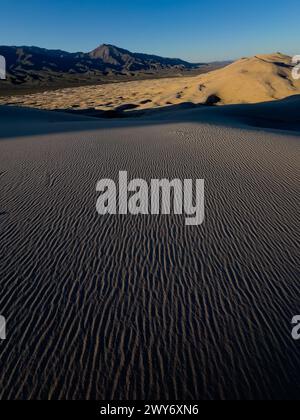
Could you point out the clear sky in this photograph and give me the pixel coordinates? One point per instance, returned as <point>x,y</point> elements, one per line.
<point>195,30</point>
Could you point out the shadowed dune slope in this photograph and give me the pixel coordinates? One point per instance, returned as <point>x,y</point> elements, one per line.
<point>142,307</point>
<point>276,115</point>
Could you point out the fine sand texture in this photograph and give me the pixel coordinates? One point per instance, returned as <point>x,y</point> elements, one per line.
<point>143,307</point>
<point>249,80</point>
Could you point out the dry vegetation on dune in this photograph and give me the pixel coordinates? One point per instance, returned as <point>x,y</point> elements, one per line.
<point>248,80</point>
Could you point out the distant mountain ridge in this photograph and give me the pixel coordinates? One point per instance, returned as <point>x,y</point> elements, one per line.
<point>34,65</point>
<point>126,60</point>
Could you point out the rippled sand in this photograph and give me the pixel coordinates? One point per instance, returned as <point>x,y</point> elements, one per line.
<point>144,307</point>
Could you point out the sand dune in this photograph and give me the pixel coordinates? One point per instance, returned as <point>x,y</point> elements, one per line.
<point>143,307</point>
<point>249,80</point>
<point>252,80</point>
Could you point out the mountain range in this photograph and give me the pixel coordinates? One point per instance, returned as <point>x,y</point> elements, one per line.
<point>33,66</point>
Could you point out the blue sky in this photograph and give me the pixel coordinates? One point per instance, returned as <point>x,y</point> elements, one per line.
<point>195,30</point>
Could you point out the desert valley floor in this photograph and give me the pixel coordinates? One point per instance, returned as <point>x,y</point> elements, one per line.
<point>144,307</point>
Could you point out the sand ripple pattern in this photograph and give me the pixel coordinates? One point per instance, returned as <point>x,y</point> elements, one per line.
<point>144,307</point>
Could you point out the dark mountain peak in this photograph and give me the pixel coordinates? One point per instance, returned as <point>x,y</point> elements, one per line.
<point>110,54</point>
<point>110,48</point>
<point>127,60</point>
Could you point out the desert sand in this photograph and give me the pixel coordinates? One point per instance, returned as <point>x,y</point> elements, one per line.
<point>143,307</point>
<point>249,80</point>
